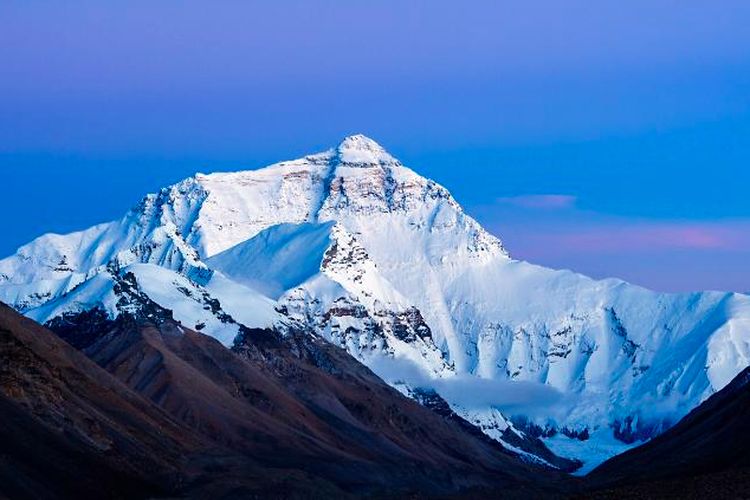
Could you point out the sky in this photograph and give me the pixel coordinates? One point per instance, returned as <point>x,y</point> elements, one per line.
<point>607,137</point>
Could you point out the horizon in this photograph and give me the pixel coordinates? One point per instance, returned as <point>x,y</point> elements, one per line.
<point>615,145</point>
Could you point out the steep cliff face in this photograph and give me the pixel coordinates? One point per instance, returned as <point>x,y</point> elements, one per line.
<point>371,256</point>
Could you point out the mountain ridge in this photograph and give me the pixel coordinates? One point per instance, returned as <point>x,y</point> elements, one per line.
<point>171,413</point>
<point>399,272</point>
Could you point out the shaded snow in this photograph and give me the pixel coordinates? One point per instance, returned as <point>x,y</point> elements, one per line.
<point>601,446</point>
<point>280,258</point>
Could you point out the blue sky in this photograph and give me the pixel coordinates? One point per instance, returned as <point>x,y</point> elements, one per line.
<point>608,137</point>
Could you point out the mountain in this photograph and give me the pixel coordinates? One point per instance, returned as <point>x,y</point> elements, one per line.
<point>69,430</point>
<point>704,455</point>
<point>170,412</point>
<point>355,246</point>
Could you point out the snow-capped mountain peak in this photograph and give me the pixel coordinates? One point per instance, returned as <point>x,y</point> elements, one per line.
<point>361,151</point>
<point>357,248</point>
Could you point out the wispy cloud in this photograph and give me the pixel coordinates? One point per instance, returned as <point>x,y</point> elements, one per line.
<point>629,236</point>
<point>539,201</point>
<point>669,255</point>
<point>555,222</point>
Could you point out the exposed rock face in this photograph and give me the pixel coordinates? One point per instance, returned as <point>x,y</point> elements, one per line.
<point>358,248</point>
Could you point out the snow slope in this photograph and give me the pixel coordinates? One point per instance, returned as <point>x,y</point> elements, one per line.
<point>359,248</point>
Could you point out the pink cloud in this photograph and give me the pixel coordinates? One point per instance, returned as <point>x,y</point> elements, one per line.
<point>540,201</point>
<point>665,255</point>
<point>649,236</point>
